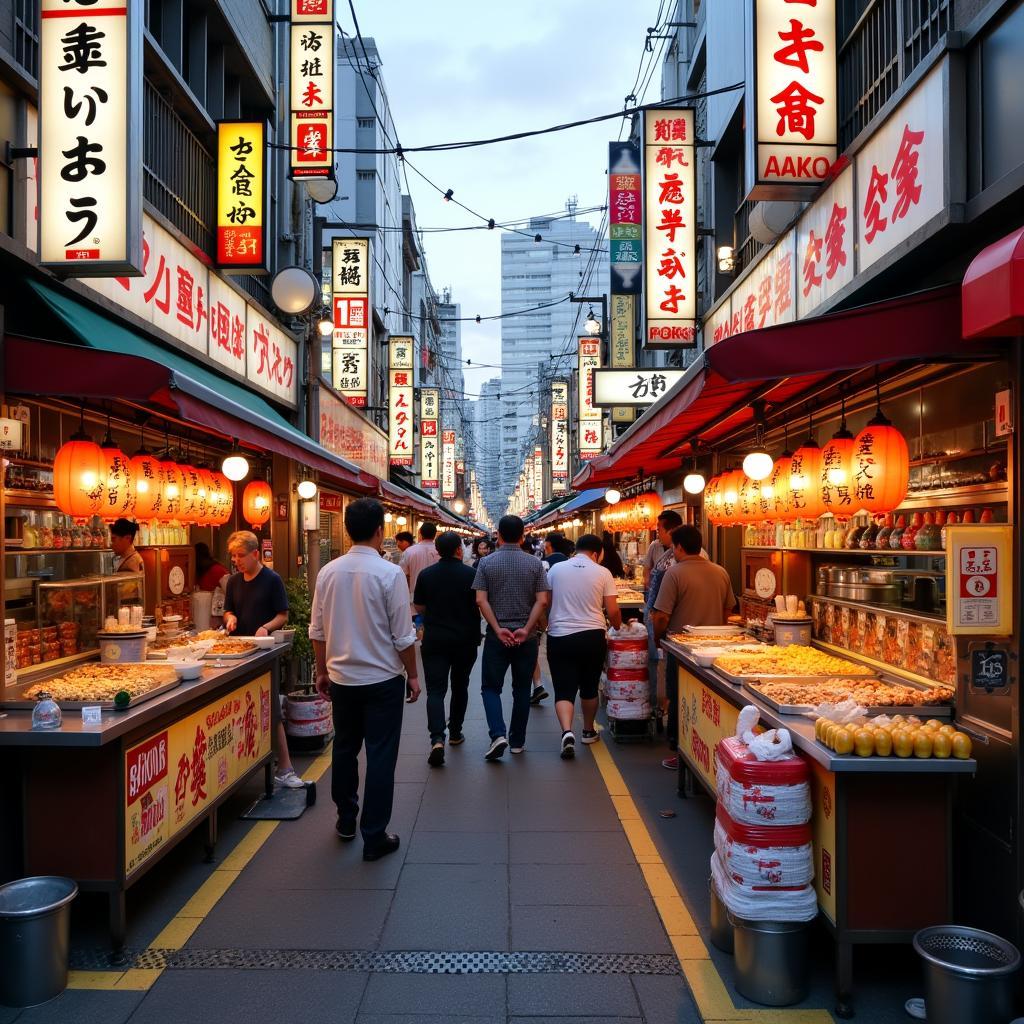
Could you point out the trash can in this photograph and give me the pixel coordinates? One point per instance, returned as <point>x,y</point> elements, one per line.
<point>771,960</point>
<point>35,918</point>
<point>968,974</point>
<point>721,928</point>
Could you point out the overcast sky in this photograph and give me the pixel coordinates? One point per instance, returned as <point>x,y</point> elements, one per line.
<point>459,70</point>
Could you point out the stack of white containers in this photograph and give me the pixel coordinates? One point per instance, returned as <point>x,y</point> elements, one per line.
<point>626,686</point>
<point>763,863</point>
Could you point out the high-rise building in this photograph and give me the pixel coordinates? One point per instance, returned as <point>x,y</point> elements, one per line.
<point>540,344</point>
<point>487,440</point>
<point>453,385</point>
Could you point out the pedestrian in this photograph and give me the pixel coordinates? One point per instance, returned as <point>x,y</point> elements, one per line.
<point>451,635</point>
<point>209,572</point>
<point>553,553</point>
<point>255,604</point>
<point>694,591</point>
<point>481,549</point>
<point>365,647</point>
<point>610,557</point>
<point>415,559</point>
<point>583,593</point>
<point>403,541</point>
<point>512,594</point>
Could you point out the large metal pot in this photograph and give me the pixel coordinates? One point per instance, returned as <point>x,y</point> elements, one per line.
<point>868,593</point>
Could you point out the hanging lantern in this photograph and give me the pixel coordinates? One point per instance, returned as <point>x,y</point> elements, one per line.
<point>880,467</point>
<point>118,494</point>
<point>731,483</point>
<point>148,479</point>
<point>712,499</point>
<point>775,490</point>
<point>206,495</point>
<point>224,500</point>
<point>836,472</point>
<point>174,490</point>
<point>749,499</point>
<point>805,481</point>
<point>256,500</point>
<point>78,472</point>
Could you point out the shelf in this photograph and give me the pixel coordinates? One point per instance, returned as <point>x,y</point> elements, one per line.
<point>944,498</point>
<point>854,551</point>
<point>974,453</point>
<point>17,550</point>
<point>29,499</point>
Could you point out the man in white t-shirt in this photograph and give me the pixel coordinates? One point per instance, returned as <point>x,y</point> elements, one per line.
<point>582,594</point>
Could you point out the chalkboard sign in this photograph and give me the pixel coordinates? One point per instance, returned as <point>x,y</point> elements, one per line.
<point>990,668</point>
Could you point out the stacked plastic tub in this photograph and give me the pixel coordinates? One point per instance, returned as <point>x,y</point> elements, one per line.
<point>626,684</point>
<point>762,870</point>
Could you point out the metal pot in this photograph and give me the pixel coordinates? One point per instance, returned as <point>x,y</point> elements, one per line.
<point>869,593</point>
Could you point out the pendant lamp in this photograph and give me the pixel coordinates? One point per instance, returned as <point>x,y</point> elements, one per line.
<point>880,465</point>
<point>805,479</point>
<point>836,458</point>
<point>77,475</point>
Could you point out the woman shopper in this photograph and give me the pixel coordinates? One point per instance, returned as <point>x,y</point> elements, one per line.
<point>481,549</point>
<point>610,557</point>
<point>582,594</point>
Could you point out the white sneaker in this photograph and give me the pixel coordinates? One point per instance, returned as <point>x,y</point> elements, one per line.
<point>518,750</point>
<point>289,780</point>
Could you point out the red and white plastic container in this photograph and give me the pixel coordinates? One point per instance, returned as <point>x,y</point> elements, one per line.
<point>629,653</point>
<point>764,856</point>
<point>761,792</point>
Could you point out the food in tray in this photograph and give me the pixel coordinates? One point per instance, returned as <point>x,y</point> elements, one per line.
<point>900,736</point>
<point>794,660</point>
<point>233,647</point>
<point>870,693</point>
<point>103,682</point>
<point>712,640</point>
<point>211,634</point>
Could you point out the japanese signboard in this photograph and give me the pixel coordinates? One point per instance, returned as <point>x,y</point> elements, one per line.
<point>538,475</point>
<point>448,464</point>
<point>175,775</point>
<point>625,218</point>
<point>792,120</point>
<point>180,296</point>
<point>312,88</point>
<point>588,416</point>
<point>531,482</point>
<point>352,436</point>
<point>559,435</point>
<point>400,401</point>
<point>90,153</point>
<point>824,246</point>
<point>622,346</point>
<point>670,226</point>
<point>350,298</point>
<point>979,580</point>
<point>704,720</point>
<point>633,387</point>
<point>241,196</point>
<point>430,422</point>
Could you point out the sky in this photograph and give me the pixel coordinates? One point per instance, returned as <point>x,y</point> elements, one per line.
<point>458,70</point>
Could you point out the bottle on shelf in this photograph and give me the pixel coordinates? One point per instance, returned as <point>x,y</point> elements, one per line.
<point>882,537</point>
<point>909,537</point>
<point>867,538</point>
<point>29,533</point>
<point>896,537</point>
<point>951,520</point>
<point>929,536</point>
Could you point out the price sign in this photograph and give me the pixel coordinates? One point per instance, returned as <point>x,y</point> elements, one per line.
<point>990,668</point>
<point>978,560</point>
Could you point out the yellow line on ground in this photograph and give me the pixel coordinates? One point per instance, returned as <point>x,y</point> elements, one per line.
<point>713,1001</point>
<point>180,928</point>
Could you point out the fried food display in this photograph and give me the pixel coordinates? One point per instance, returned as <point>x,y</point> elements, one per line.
<point>870,693</point>
<point>709,639</point>
<point>102,682</point>
<point>210,634</point>
<point>233,647</point>
<point>794,660</point>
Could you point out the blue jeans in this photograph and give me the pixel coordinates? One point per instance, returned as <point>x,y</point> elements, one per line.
<point>497,658</point>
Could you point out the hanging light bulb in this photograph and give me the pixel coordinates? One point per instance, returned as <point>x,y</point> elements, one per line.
<point>401,520</point>
<point>757,465</point>
<point>693,483</point>
<point>235,465</point>
<point>388,517</point>
<point>612,496</point>
<point>306,489</point>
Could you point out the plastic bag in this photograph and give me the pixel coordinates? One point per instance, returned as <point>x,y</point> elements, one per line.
<point>843,713</point>
<point>788,904</point>
<point>773,745</point>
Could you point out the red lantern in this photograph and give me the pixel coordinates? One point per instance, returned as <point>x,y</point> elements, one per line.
<point>731,483</point>
<point>775,490</point>
<point>148,478</point>
<point>190,503</point>
<point>207,495</point>
<point>880,467</point>
<point>174,491</point>
<point>836,473</point>
<point>805,482</point>
<point>256,500</point>
<point>224,499</point>
<point>749,500</point>
<point>78,473</point>
<point>118,493</point>
<point>713,499</point>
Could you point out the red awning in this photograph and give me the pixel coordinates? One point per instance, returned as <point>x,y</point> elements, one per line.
<point>993,290</point>
<point>406,499</point>
<point>779,364</point>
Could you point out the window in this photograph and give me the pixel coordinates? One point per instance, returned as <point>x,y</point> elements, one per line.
<point>26,38</point>
<point>365,175</point>
<point>364,122</point>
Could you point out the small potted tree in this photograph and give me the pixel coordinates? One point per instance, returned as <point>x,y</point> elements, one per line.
<point>307,716</point>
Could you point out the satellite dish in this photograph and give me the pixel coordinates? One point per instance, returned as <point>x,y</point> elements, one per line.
<point>295,291</point>
<point>322,190</point>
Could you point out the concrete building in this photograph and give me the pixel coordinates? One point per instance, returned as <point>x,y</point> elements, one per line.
<point>487,441</point>
<point>453,383</point>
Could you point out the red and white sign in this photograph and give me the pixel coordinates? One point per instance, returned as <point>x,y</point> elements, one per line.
<point>588,416</point>
<point>1004,413</point>
<point>351,436</point>
<point>824,246</point>
<point>538,474</point>
<point>350,300</point>
<point>430,453</point>
<point>792,123</point>
<point>670,226</point>
<point>559,434</point>
<point>400,401</point>
<point>448,464</point>
<point>312,88</point>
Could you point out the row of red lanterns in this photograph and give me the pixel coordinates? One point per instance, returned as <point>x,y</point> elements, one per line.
<point>869,472</point>
<point>638,513</point>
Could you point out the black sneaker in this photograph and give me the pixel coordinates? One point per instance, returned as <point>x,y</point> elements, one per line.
<point>455,738</point>
<point>496,749</point>
<point>590,736</point>
<point>436,758</point>
<point>387,845</point>
<point>345,830</point>
<point>568,746</point>
<point>538,695</point>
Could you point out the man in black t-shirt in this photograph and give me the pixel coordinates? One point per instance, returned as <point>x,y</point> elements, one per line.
<point>444,596</point>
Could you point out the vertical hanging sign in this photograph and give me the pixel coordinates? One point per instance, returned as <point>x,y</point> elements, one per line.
<point>400,401</point>
<point>670,229</point>
<point>350,299</point>
<point>791,105</point>
<point>538,474</point>
<point>241,196</point>
<point>90,145</point>
<point>312,89</point>
<point>448,464</point>
<point>622,350</point>
<point>559,436</point>
<point>430,455</point>
<point>625,216</point>
<point>589,416</point>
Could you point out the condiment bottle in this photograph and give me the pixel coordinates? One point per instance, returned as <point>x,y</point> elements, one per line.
<point>986,516</point>
<point>896,537</point>
<point>950,521</point>
<point>968,516</point>
<point>909,537</point>
<point>882,537</point>
<point>929,536</point>
<point>867,539</point>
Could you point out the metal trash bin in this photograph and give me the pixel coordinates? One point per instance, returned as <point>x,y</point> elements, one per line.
<point>35,919</point>
<point>968,974</point>
<point>721,928</point>
<point>771,960</point>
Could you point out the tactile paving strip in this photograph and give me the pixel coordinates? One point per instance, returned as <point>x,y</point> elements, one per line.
<point>382,962</point>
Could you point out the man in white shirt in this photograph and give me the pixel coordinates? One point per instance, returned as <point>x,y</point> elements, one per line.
<point>582,594</point>
<point>365,647</point>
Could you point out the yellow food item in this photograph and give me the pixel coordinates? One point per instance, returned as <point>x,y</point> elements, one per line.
<point>794,660</point>
<point>883,743</point>
<point>923,743</point>
<point>942,745</point>
<point>819,727</point>
<point>933,723</point>
<point>843,741</point>
<point>947,729</point>
<point>102,682</point>
<point>962,745</point>
<point>898,718</point>
<point>902,743</point>
<point>233,647</point>
<point>914,721</point>
<point>863,743</point>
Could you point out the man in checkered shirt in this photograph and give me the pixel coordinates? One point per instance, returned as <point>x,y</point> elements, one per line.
<point>512,593</point>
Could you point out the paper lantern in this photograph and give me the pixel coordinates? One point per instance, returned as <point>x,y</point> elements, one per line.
<point>713,499</point>
<point>731,483</point>
<point>836,473</point>
<point>256,500</point>
<point>78,472</point>
<point>880,466</point>
<point>174,490</point>
<point>148,482</point>
<point>775,490</point>
<point>118,494</point>
<point>805,482</point>
<point>224,499</point>
<point>749,509</point>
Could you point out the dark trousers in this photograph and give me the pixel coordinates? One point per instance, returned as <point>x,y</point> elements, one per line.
<point>457,661</point>
<point>371,715</point>
<point>672,692</point>
<point>497,659</point>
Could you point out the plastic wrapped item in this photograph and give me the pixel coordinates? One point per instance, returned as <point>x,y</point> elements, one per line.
<point>798,903</point>
<point>626,710</point>
<point>761,792</point>
<point>627,675</point>
<point>759,856</point>
<point>627,653</point>
<point>631,630</point>
<point>629,689</point>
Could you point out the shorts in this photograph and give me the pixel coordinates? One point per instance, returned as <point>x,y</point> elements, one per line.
<point>576,662</point>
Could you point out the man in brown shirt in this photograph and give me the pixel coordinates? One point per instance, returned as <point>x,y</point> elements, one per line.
<point>694,591</point>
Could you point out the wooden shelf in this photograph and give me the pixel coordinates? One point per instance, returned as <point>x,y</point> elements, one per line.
<point>14,549</point>
<point>855,551</point>
<point>974,453</point>
<point>29,499</point>
<point>957,497</point>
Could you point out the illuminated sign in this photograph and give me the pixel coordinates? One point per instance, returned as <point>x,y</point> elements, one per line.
<point>448,464</point>
<point>430,452</point>
<point>670,229</point>
<point>350,299</point>
<point>588,415</point>
<point>625,217</point>
<point>241,195</point>
<point>633,387</point>
<point>622,346</point>
<point>538,474</point>
<point>559,435</point>
<point>90,152</point>
<point>792,118</point>
<point>312,88</point>
<point>400,401</point>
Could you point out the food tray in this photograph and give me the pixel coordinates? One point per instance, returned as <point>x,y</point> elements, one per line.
<point>726,630</point>
<point>210,656</point>
<point>926,710</point>
<point>695,645</point>
<point>743,680</point>
<point>106,705</point>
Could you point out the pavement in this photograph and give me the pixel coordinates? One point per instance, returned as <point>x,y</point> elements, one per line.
<point>530,890</point>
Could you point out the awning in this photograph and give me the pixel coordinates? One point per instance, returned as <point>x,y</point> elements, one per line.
<point>581,501</point>
<point>403,496</point>
<point>993,290</point>
<point>779,364</point>
<point>133,368</point>
<point>542,514</point>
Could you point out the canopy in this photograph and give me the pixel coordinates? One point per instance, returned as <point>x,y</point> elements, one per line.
<point>994,290</point>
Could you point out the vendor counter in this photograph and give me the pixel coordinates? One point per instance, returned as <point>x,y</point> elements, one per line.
<point>882,826</point>
<point>103,803</point>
